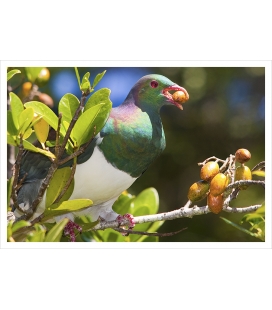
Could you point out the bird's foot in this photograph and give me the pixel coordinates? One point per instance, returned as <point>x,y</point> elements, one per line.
<point>128,218</point>
<point>69,230</point>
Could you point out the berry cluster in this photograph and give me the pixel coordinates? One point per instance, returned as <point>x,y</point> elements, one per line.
<point>213,182</point>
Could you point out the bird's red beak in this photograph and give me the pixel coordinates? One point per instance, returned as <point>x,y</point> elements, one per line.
<point>178,98</point>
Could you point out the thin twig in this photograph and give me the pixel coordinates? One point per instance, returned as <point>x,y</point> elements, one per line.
<point>16,170</point>
<point>145,233</point>
<point>259,166</point>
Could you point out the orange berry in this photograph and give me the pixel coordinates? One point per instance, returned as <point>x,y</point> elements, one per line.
<point>242,155</point>
<point>179,96</point>
<point>209,171</point>
<point>26,88</point>
<point>215,203</point>
<point>218,184</point>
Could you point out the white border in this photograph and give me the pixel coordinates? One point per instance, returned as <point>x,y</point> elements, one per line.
<point>143,245</point>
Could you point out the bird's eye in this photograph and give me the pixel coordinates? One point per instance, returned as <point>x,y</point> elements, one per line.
<point>154,84</point>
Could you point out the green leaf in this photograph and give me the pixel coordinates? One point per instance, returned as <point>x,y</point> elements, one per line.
<point>16,108</point>
<point>100,96</point>
<point>19,224</point>
<point>78,78</point>
<point>84,127</point>
<point>148,198</point>
<point>85,85</point>
<point>41,109</point>
<point>29,146</point>
<point>98,78</point>
<point>240,227</point>
<point>55,233</point>
<point>66,207</point>
<point>261,210</point>
<point>58,182</point>
<point>253,218</point>
<point>32,73</point>
<point>37,235</point>
<point>12,130</point>
<point>67,106</point>
<point>11,73</point>
<point>11,140</point>
<point>259,173</point>
<point>9,231</point>
<point>25,119</point>
<point>122,204</point>
<point>27,133</point>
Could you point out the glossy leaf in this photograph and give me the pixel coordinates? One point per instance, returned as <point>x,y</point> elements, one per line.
<point>66,207</point>
<point>122,204</point>
<point>29,146</point>
<point>11,140</point>
<point>254,218</point>
<point>25,119</point>
<point>55,233</point>
<point>148,198</point>
<point>84,127</point>
<point>11,73</point>
<point>259,173</point>
<point>32,73</point>
<point>57,183</point>
<point>85,84</point>
<point>41,109</point>
<point>12,130</point>
<point>98,78</point>
<point>67,106</point>
<point>27,133</point>
<point>41,130</point>
<point>16,108</point>
<point>37,235</point>
<point>100,96</point>
<point>9,231</point>
<point>19,224</point>
<point>261,210</point>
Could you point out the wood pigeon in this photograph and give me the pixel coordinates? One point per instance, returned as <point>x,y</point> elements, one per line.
<point>130,141</point>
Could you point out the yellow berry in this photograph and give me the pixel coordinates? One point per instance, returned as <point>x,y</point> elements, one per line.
<point>218,184</point>
<point>42,77</point>
<point>243,173</point>
<point>209,171</point>
<point>198,191</point>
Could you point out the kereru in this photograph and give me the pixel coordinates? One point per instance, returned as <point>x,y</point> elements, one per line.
<point>130,141</point>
